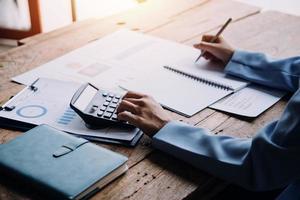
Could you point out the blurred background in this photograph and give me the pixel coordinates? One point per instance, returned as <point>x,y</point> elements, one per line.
<point>23,18</point>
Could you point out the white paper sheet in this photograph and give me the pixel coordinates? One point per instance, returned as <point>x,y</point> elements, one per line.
<point>250,101</point>
<point>110,61</point>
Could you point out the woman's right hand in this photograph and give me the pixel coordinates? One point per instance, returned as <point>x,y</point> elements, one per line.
<point>220,50</point>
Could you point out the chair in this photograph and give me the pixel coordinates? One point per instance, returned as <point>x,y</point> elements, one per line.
<point>35,24</point>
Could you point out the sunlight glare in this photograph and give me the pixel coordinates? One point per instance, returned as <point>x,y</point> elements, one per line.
<point>102,8</point>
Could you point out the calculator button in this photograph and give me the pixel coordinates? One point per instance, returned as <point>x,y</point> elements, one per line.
<point>115,117</point>
<point>107,115</point>
<point>100,113</point>
<point>118,97</point>
<point>104,94</point>
<point>115,101</point>
<point>111,110</point>
<point>111,95</point>
<point>113,105</point>
<point>103,108</point>
<point>95,106</point>
<point>106,103</point>
<point>108,99</point>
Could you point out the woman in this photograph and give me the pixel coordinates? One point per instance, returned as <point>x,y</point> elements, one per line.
<point>270,160</point>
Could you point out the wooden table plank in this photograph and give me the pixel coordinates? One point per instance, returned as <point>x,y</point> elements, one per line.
<point>271,32</point>
<point>209,16</point>
<point>158,177</point>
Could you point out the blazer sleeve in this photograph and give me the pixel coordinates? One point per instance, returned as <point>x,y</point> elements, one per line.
<point>258,68</point>
<point>270,160</point>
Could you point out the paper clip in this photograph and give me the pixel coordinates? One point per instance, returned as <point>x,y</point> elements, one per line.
<point>32,87</point>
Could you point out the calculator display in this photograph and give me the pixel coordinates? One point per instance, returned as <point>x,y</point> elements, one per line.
<point>86,96</point>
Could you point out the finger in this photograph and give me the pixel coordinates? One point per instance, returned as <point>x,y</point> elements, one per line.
<point>209,38</point>
<point>210,47</point>
<point>208,56</point>
<point>211,57</point>
<point>200,45</point>
<point>138,102</point>
<point>131,94</point>
<point>205,56</point>
<point>221,39</point>
<point>130,118</point>
<point>127,106</point>
<point>196,46</point>
<point>215,59</point>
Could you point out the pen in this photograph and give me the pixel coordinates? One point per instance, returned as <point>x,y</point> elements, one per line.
<point>215,37</point>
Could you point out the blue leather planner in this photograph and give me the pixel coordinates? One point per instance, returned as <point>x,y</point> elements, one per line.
<point>59,164</point>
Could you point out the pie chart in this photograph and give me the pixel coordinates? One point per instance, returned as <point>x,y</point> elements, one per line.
<point>32,111</point>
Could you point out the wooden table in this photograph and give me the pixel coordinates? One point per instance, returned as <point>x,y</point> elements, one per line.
<point>152,174</point>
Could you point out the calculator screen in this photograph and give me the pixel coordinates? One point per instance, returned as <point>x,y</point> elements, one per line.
<point>85,97</point>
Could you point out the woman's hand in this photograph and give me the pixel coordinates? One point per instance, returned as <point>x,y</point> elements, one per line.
<point>220,50</point>
<point>143,112</point>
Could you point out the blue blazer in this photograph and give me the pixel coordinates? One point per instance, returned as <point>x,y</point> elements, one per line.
<point>271,159</point>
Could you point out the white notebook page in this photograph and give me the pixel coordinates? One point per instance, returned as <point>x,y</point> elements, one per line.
<point>177,92</point>
<point>209,70</point>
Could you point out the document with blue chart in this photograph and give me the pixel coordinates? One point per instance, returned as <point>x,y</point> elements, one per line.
<point>47,102</point>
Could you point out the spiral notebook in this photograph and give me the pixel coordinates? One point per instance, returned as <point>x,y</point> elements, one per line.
<point>186,88</point>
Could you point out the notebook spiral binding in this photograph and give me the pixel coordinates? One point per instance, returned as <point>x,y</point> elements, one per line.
<point>201,79</point>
